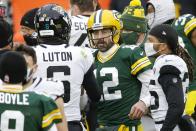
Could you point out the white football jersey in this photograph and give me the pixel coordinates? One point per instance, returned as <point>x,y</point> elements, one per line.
<point>68,64</point>
<point>51,88</point>
<point>79,31</point>
<point>159,105</point>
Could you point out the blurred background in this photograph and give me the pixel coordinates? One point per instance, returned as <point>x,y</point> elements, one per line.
<point>15,9</point>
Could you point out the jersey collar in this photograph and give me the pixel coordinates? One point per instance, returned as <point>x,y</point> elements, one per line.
<point>105,56</point>
<point>11,88</point>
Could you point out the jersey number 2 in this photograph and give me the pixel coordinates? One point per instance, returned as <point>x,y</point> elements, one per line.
<point>109,85</point>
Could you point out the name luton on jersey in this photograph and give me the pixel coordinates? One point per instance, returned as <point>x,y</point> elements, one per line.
<point>15,99</point>
<point>57,56</point>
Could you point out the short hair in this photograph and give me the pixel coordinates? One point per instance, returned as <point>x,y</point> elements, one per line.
<point>84,5</point>
<point>13,67</point>
<point>27,50</point>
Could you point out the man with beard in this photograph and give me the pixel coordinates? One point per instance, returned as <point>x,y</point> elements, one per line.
<point>122,73</point>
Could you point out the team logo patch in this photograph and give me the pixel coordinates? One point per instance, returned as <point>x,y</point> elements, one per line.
<point>142,53</point>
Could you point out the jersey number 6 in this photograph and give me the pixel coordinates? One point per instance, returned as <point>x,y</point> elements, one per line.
<point>66,71</point>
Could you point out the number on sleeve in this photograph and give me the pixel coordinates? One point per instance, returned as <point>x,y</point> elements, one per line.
<point>181,20</point>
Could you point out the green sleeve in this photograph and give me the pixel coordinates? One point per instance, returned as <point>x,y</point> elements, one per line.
<point>139,61</point>
<point>51,113</point>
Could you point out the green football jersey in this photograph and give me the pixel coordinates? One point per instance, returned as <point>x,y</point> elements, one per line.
<point>27,111</point>
<point>179,25</point>
<point>117,79</point>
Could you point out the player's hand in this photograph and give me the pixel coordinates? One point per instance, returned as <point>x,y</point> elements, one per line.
<point>137,110</point>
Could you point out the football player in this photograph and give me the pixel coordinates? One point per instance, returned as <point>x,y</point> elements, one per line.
<point>172,72</point>
<point>20,110</point>
<point>190,32</point>
<point>54,89</point>
<point>122,73</point>
<point>80,11</point>
<point>185,26</point>
<point>70,64</point>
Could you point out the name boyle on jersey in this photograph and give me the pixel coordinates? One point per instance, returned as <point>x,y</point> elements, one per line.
<point>15,99</point>
<point>57,56</point>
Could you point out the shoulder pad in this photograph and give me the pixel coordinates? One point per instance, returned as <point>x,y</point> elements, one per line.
<point>170,60</point>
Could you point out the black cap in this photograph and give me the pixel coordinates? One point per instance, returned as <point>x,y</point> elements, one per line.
<point>165,33</point>
<point>6,33</point>
<point>13,67</point>
<point>28,18</point>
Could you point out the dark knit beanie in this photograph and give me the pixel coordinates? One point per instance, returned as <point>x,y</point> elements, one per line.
<point>13,67</point>
<point>133,17</point>
<point>165,33</point>
<point>6,33</point>
<point>28,18</point>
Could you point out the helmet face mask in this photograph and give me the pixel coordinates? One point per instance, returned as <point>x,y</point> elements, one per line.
<point>52,21</point>
<point>107,32</point>
<point>103,20</point>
